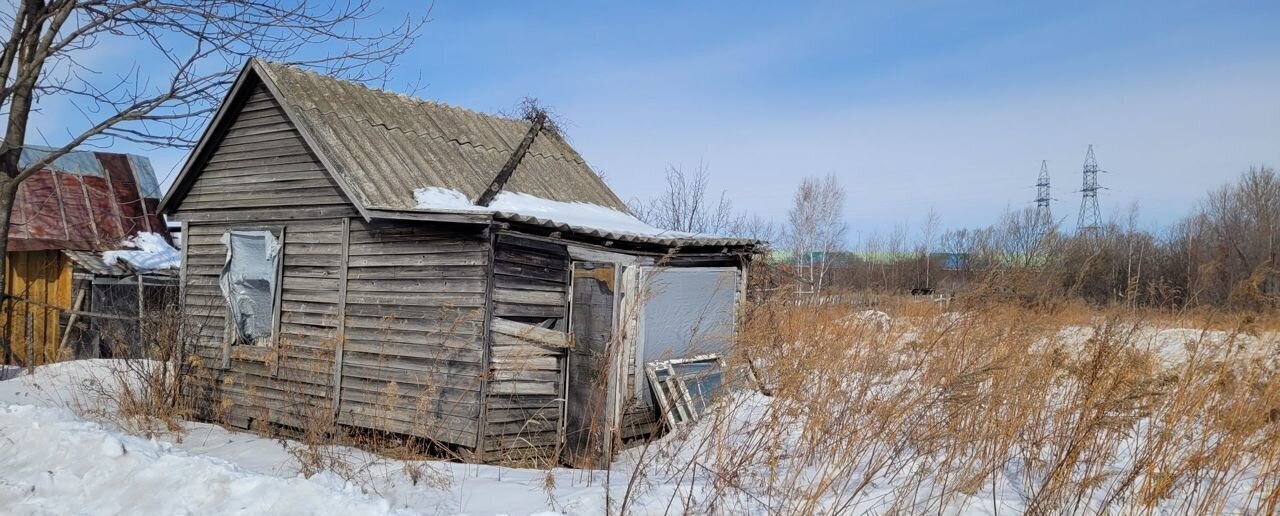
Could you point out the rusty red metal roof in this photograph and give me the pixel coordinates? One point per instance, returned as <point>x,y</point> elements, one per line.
<point>84,200</point>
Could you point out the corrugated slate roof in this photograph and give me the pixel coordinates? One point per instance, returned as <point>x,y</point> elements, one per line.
<point>84,200</point>
<point>381,146</point>
<point>385,145</point>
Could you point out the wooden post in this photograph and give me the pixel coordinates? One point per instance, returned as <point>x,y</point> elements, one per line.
<point>276,346</point>
<point>183,325</point>
<point>71,320</point>
<point>342,316</point>
<point>141,313</point>
<point>31,345</point>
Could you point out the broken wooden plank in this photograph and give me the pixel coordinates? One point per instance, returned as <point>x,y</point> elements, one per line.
<point>529,332</point>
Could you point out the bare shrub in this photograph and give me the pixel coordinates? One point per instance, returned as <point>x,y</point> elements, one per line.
<point>1023,407</point>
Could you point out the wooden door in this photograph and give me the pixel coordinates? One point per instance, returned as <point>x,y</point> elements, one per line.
<point>588,438</point>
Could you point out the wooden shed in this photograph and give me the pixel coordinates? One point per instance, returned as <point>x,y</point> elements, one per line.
<point>406,266</point>
<point>64,216</point>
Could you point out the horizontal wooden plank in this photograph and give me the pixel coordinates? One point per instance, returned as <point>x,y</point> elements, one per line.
<point>528,427</point>
<point>416,343</point>
<point>515,310</point>
<point>518,388</point>
<point>557,275</point>
<point>437,323</point>
<point>526,364</point>
<point>524,351</point>
<point>395,260</point>
<point>374,370</point>
<point>423,272</point>
<point>532,245</point>
<point>264,214</point>
<point>550,413</point>
<point>354,415</point>
<point>414,247</point>
<point>550,375</point>
<point>523,257</point>
<point>529,297</point>
<point>529,332</point>
<point>418,299</point>
<point>475,286</point>
<point>523,283</point>
<point>444,398</point>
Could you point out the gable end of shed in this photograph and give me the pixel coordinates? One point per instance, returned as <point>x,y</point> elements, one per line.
<point>254,158</point>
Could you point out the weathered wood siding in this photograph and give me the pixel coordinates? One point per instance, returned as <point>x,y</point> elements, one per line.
<point>413,356</point>
<point>260,174</point>
<point>288,385</point>
<point>262,170</point>
<point>530,281</point>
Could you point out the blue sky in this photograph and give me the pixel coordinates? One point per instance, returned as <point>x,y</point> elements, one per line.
<point>913,105</point>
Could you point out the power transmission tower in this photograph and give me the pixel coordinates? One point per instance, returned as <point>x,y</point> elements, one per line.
<point>1044,216</point>
<point>1090,216</point>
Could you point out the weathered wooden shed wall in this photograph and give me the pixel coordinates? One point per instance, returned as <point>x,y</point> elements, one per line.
<point>412,296</point>
<point>389,317</point>
<point>413,360</point>
<point>525,397</point>
<point>252,179</point>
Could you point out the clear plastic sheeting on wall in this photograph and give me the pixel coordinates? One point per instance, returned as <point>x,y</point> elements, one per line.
<point>248,283</point>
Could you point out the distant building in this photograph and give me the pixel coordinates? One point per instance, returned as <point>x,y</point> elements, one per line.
<point>65,217</point>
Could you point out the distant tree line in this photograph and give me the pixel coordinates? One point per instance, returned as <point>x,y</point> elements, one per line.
<point>1223,254</point>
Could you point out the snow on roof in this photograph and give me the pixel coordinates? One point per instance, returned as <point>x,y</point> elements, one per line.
<point>578,215</point>
<point>151,252</point>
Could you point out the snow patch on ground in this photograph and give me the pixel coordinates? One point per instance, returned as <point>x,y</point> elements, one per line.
<point>148,252</point>
<point>66,465</point>
<point>579,214</point>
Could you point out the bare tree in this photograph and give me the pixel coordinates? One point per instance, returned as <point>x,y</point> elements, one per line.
<point>754,227</point>
<point>928,236</point>
<point>1239,227</point>
<point>183,56</point>
<point>816,227</point>
<point>685,205</point>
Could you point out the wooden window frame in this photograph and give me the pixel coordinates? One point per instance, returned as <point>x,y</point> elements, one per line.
<point>230,347</point>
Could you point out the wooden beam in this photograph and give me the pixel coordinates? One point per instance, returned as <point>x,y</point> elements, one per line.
<point>342,316</point>
<point>486,349</point>
<point>513,161</point>
<point>529,332</point>
<point>277,302</point>
<point>455,217</point>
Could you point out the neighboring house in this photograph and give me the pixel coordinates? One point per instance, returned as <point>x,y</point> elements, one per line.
<point>66,219</point>
<point>341,260</point>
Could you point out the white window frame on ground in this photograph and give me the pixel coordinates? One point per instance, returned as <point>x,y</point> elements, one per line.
<point>678,393</point>
<point>274,247</point>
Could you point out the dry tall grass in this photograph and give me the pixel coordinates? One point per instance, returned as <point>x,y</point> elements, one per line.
<point>993,405</point>
<point>1063,411</point>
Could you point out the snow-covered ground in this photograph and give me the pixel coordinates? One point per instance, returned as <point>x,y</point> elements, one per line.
<point>56,460</point>
<point>53,461</point>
